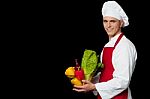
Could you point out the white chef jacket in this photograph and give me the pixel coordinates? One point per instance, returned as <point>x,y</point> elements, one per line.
<point>124,60</point>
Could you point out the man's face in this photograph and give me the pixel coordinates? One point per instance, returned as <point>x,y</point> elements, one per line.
<point>112,25</point>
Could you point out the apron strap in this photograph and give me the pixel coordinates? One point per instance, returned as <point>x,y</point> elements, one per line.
<point>120,36</point>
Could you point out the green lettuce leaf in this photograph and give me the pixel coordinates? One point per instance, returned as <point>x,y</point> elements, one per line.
<point>90,64</point>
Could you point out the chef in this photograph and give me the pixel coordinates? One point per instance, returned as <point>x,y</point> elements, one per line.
<point>119,57</point>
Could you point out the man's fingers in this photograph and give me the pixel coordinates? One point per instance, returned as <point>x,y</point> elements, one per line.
<point>85,81</point>
<point>78,90</point>
<point>78,86</point>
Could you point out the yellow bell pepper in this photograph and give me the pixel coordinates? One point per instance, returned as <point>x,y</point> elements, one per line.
<point>76,81</point>
<point>70,72</point>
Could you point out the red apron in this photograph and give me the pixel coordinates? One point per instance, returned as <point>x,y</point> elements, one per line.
<point>108,69</point>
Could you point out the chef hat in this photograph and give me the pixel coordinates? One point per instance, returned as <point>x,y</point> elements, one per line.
<point>113,9</point>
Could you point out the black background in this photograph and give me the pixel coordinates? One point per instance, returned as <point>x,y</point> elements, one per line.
<point>52,35</point>
<point>42,39</point>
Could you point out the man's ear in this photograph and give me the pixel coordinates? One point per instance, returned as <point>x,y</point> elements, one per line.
<point>122,23</point>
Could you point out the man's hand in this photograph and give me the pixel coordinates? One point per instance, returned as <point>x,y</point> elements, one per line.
<point>86,87</point>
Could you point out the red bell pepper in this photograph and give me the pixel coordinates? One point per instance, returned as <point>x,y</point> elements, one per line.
<point>79,73</point>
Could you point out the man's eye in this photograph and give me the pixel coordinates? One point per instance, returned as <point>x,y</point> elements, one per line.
<point>113,21</point>
<point>104,21</point>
